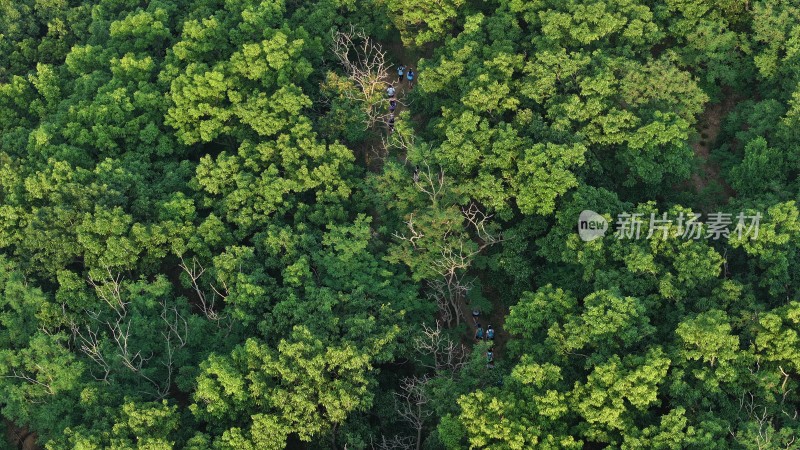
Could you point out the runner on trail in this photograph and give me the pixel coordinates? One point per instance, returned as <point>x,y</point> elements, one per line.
<point>490,333</point>
<point>392,105</point>
<point>410,77</point>
<point>400,69</point>
<point>490,358</point>
<point>391,123</point>
<point>415,175</point>
<point>475,314</point>
<point>478,333</point>
<point>390,91</point>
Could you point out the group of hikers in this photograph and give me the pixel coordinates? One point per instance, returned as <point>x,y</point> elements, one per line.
<point>391,91</point>
<point>487,335</point>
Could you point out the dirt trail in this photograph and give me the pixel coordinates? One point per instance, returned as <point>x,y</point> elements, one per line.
<point>709,124</point>
<point>19,438</point>
<point>398,54</point>
<point>373,147</point>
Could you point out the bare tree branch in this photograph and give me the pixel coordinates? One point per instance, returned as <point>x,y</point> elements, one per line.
<point>394,443</point>
<point>27,378</point>
<point>364,62</point>
<point>90,345</point>
<point>414,235</point>
<point>120,330</point>
<point>110,291</point>
<point>411,404</point>
<point>207,303</point>
<point>448,356</point>
<point>478,221</point>
<point>430,182</point>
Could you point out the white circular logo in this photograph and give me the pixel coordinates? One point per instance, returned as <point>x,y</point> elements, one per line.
<point>591,225</point>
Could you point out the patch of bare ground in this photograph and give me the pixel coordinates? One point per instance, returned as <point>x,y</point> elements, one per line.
<point>20,438</point>
<point>709,126</point>
<point>373,149</point>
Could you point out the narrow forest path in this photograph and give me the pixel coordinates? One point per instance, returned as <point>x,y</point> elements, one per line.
<point>398,54</point>
<point>709,126</point>
<point>374,148</point>
<point>496,318</point>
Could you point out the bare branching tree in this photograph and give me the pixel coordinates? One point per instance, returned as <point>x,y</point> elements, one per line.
<point>394,443</point>
<point>413,235</point>
<point>447,291</point>
<point>46,385</point>
<point>478,221</point>
<point>208,302</point>
<point>90,345</point>
<point>412,403</point>
<point>399,139</point>
<point>109,290</point>
<point>120,330</point>
<point>455,259</point>
<point>430,182</point>
<point>764,434</point>
<point>457,249</point>
<point>364,62</point>
<point>448,356</point>
<point>403,141</point>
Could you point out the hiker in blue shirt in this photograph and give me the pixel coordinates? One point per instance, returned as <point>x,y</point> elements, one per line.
<point>490,358</point>
<point>478,333</point>
<point>490,333</point>
<point>410,78</point>
<point>390,91</point>
<point>400,69</point>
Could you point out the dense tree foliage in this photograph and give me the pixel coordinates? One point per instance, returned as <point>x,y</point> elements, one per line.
<point>215,234</point>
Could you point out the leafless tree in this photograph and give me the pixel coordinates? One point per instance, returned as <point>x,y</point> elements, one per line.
<point>364,62</point>
<point>402,141</point>
<point>452,286</point>
<point>90,345</point>
<point>175,334</point>
<point>413,235</point>
<point>764,434</point>
<point>394,443</point>
<point>120,330</point>
<point>478,221</point>
<point>33,379</point>
<point>449,356</point>
<point>443,301</point>
<point>207,302</point>
<point>448,291</point>
<point>119,326</point>
<point>412,403</point>
<point>110,291</point>
<point>375,158</point>
<point>455,259</point>
<point>457,249</point>
<point>431,182</point>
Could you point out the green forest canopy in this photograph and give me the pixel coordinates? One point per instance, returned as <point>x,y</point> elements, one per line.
<point>210,239</point>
